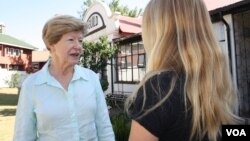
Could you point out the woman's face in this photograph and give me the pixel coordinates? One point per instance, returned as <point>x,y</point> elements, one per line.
<point>68,49</point>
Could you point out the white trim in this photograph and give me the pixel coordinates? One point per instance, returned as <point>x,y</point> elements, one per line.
<point>229,20</point>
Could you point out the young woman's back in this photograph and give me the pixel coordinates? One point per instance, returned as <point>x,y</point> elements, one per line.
<point>178,37</point>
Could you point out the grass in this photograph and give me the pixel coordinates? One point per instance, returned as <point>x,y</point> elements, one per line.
<point>8,101</point>
<point>121,126</point>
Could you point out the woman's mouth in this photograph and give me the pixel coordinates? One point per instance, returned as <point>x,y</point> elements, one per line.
<point>74,54</point>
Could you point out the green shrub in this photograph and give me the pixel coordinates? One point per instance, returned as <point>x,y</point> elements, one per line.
<point>14,80</point>
<point>121,126</point>
<point>104,84</point>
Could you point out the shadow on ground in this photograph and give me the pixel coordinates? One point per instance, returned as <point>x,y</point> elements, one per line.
<point>8,99</point>
<point>8,112</point>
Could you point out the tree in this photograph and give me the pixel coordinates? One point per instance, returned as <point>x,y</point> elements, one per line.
<point>96,56</point>
<point>85,6</point>
<point>115,6</point>
<point>14,80</point>
<point>124,10</point>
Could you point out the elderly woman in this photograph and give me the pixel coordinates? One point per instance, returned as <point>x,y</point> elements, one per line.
<point>63,101</point>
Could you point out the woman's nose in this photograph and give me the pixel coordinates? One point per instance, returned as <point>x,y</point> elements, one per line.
<point>78,45</point>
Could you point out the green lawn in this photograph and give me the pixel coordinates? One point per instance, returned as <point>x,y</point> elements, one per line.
<point>8,101</point>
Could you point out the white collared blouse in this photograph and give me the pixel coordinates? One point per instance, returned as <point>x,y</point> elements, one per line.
<point>47,112</point>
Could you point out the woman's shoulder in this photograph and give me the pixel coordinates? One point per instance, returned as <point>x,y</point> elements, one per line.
<point>85,69</point>
<point>163,77</point>
<point>86,72</point>
<point>162,84</point>
<point>31,78</point>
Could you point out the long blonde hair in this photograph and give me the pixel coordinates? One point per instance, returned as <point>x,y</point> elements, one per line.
<point>178,35</point>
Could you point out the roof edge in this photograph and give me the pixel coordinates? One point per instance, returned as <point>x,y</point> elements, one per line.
<point>34,48</point>
<point>232,8</point>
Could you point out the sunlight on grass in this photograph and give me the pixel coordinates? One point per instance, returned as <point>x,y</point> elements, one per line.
<point>8,101</point>
<point>9,90</point>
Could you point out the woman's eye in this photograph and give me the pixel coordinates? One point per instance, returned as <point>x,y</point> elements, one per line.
<point>71,39</point>
<point>80,41</point>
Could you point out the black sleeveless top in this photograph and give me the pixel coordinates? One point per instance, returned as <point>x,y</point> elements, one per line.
<point>170,121</point>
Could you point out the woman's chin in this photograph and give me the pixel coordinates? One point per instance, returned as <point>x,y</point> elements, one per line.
<point>74,60</point>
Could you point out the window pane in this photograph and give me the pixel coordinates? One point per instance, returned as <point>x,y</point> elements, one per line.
<point>17,53</point>
<point>142,72</point>
<point>123,50</point>
<point>128,49</point>
<point>129,75</point>
<point>136,74</point>
<point>141,61</point>
<point>123,63</point>
<point>129,63</point>
<point>122,75</point>
<point>135,48</point>
<point>141,48</point>
<point>135,60</point>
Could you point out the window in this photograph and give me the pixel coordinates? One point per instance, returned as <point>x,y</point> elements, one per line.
<point>13,52</point>
<point>123,63</point>
<point>35,66</point>
<point>17,52</point>
<point>7,51</point>
<point>141,61</point>
<point>130,62</point>
<point>14,67</point>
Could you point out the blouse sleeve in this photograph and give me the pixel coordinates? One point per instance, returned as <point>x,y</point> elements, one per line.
<point>25,123</point>
<point>103,124</point>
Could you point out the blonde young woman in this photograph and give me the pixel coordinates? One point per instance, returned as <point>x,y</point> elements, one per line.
<point>187,93</point>
<point>63,101</point>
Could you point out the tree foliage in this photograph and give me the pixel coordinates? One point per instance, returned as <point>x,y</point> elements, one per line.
<point>14,80</point>
<point>115,6</point>
<point>85,6</point>
<point>96,56</point>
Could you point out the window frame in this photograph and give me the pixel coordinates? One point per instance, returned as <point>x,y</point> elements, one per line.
<point>130,73</point>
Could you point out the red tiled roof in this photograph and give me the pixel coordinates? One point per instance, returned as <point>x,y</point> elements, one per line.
<point>129,24</point>
<point>40,56</point>
<point>214,4</point>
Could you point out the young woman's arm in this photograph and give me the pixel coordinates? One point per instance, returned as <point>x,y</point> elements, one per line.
<point>139,133</point>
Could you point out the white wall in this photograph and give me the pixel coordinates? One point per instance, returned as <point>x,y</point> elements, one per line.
<point>229,20</point>
<point>6,75</point>
<point>110,20</point>
<point>221,35</point>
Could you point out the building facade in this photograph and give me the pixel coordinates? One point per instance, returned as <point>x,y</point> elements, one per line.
<point>15,56</point>
<point>123,72</point>
<point>231,27</point>
<point>39,58</point>
<point>233,24</point>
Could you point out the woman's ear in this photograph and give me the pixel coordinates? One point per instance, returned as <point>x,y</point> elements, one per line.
<point>51,48</point>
